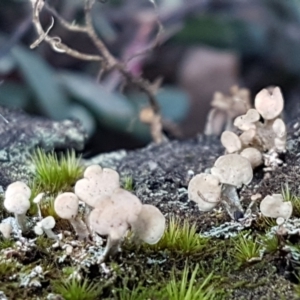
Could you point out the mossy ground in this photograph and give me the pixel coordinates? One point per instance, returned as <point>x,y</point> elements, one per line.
<point>160,176</point>
<point>144,272</point>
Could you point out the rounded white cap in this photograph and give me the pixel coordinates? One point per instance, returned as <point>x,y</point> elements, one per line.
<point>233,169</point>
<point>246,122</point>
<point>205,190</point>
<point>98,183</point>
<point>253,155</point>
<point>48,222</point>
<point>231,141</point>
<point>17,203</point>
<point>274,207</point>
<point>5,229</point>
<point>18,187</point>
<point>269,103</point>
<point>150,224</point>
<point>66,205</point>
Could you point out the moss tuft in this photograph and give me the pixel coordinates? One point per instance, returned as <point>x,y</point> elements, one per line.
<point>55,174</point>
<point>246,249</point>
<point>181,238</point>
<point>74,289</point>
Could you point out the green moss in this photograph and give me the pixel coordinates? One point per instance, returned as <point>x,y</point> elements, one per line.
<point>75,289</point>
<point>43,243</point>
<point>47,207</point>
<point>264,223</point>
<point>271,244</point>
<point>181,238</point>
<point>246,248</point>
<point>288,195</point>
<point>55,174</point>
<point>8,267</point>
<point>139,292</point>
<point>6,243</point>
<point>187,288</point>
<point>127,183</point>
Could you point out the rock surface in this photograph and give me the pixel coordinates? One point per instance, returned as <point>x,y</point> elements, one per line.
<point>20,134</point>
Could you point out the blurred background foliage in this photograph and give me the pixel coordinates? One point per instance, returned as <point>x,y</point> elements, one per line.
<point>207,45</point>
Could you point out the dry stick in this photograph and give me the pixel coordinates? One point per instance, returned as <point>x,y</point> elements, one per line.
<point>108,61</point>
<point>55,42</point>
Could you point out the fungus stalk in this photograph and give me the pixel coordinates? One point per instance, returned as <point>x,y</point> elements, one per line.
<point>231,201</point>
<point>80,228</point>
<point>66,207</point>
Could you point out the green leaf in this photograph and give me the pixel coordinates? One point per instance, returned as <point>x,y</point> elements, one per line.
<point>111,109</point>
<point>14,95</point>
<point>41,78</point>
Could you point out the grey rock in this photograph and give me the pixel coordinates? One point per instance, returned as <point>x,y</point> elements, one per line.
<point>21,134</point>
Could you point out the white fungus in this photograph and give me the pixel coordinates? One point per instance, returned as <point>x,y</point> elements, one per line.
<point>205,190</point>
<point>66,206</point>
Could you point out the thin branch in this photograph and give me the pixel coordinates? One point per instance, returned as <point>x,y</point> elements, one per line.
<point>63,22</point>
<point>108,61</point>
<point>111,62</point>
<point>55,42</point>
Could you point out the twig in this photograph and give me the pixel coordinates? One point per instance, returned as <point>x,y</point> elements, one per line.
<point>55,42</point>
<point>108,61</point>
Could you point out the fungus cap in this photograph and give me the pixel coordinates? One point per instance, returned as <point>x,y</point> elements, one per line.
<point>110,221</point>
<point>116,213</point>
<point>274,207</point>
<point>279,128</point>
<point>99,183</point>
<point>129,204</point>
<point>38,230</point>
<point>247,121</point>
<point>233,169</point>
<point>205,190</point>
<point>231,141</point>
<point>247,137</point>
<point>18,187</point>
<point>5,229</point>
<point>150,224</point>
<point>92,171</point>
<point>37,199</point>
<point>66,205</point>
<point>253,155</point>
<point>48,222</point>
<point>269,103</point>
<point>17,203</point>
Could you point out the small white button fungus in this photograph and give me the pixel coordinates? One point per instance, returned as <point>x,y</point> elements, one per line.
<point>247,121</point>
<point>66,206</point>
<point>38,230</point>
<point>48,224</point>
<point>6,230</point>
<point>37,201</point>
<point>274,207</point>
<point>92,171</point>
<point>16,201</point>
<point>231,142</point>
<point>269,103</point>
<point>254,156</point>
<point>233,169</point>
<point>279,129</point>
<point>205,190</point>
<point>97,183</point>
<point>114,220</point>
<point>18,187</point>
<point>150,224</point>
<point>129,204</point>
<point>247,137</point>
